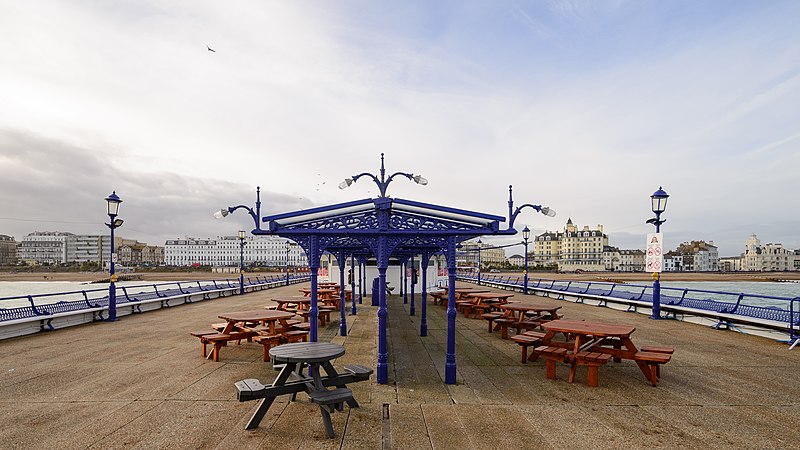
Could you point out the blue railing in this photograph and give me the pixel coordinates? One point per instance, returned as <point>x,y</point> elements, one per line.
<point>722,305</point>
<point>44,305</point>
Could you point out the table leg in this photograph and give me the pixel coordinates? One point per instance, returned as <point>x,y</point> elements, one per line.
<point>266,402</point>
<point>328,367</point>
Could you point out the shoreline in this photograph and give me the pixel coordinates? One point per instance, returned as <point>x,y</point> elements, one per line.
<point>608,277</point>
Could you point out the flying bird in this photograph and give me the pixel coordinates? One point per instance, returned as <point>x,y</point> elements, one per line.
<point>210,49</point>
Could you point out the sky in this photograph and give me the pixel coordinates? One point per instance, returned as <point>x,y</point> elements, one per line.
<point>584,106</point>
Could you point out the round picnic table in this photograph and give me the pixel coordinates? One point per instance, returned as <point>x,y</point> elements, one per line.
<point>306,352</point>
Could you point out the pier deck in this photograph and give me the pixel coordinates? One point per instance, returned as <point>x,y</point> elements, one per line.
<point>140,382</point>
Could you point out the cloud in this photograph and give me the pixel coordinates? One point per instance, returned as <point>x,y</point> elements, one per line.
<point>51,185</point>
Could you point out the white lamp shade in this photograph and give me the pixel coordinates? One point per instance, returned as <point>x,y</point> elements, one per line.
<point>112,202</point>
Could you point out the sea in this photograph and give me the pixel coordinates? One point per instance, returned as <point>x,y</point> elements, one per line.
<point>771,289</point>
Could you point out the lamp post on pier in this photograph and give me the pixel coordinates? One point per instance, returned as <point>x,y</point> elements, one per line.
<point>526,233</point>
<point>242,236</point>
<point>112,204</point>
<point>288,246</point>
<point>658,203</point>
<point>479,261</point>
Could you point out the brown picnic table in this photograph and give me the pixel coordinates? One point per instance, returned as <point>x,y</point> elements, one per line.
<point>460,294</point>
<point>594,344</point>
<point>481,302</point>
<point>521,316</point>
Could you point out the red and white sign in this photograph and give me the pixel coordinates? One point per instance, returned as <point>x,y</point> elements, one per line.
<point>654,259</point>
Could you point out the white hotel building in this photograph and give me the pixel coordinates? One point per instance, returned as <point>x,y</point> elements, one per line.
<point>269,251</point>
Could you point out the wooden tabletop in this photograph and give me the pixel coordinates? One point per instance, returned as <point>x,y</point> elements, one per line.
<point>308,352</point>
<point>588,328</point>
<point>319,291</point>
<point>528,307</point>
<point>489,295</point>
<point>255,315</point>
<point>303,300</point>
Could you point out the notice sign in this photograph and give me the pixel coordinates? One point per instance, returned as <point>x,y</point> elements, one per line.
<point>654,258</point>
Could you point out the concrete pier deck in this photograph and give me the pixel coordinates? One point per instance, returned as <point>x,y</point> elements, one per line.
<point>140,382</point>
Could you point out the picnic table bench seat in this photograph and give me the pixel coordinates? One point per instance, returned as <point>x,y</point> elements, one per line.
<point>296,336</point>
<point>491,317</point>
<point>528,339</point>
<point>219,340</point>
<point>552,355</point>
<point>653,361</point>
<point>657,349</point>
<point>268,342</point>
<point>592,361</point>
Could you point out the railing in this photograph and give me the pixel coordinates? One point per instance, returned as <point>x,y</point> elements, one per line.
<point>777,313</point>
<point>46,307</point>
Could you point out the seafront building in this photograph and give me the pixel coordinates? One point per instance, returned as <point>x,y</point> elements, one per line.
<point>571,249</point>
<point>262,251</point>
<point>768,257</point>
<point>694,256</point>
<point>44,247</point>
<point>135,253</point>
<point>490,256</point>
<point>516,260</point>
<point>8,250</point>
<point>617,260</point>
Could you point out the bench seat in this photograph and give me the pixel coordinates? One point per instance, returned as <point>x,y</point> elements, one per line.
<point>551,354</point>
<point>592,360</point>
<point>653,362</point>
<point>528,340</point>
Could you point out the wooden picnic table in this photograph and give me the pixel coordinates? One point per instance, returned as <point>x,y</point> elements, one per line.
<point>480,302</point>
<point>290,380</point>
<point>522,316</point>
<point>322,293</point>
<point>284,302</point>
<point>593,338</point>
<point>263,316</point>
<point>460,294</point>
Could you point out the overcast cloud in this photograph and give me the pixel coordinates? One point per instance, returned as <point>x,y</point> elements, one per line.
<point>587,107</point>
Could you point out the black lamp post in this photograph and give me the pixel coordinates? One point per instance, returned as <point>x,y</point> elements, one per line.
<point>112,203</point>
<point>526,233</point>
<point>658,205</point>
<point>242,236</point>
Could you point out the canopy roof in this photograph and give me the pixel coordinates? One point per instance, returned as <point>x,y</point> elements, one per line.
<point>353,227</point>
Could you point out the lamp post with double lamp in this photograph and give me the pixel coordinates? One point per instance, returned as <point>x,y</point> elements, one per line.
<point>526,233</point>
<point>288,246</point>
<point>658,203</point>
<point>112,204</point>
<point>242,236</point>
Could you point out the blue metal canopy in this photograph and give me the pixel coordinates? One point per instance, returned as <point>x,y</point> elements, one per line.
<point>384,227</point>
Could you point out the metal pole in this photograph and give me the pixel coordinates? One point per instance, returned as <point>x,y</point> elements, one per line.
<point>342,305</point>
<point>525,279</point>
<point>382,376</point>
<point>423,324</point>
<point>450,359</point>
<point>112,287</point>
<point>656,283</point>
<point>241,266</point>
<point>411,310</point>
<point>353,284</point>
<point>287,265</point>
<point>479,263</point>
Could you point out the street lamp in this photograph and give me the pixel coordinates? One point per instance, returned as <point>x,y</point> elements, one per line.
<point>112,203</point>
<point>288,246</point>
<point>383,182</point>
<point>526,233</point>
<point>658,203</point>
<point>242,236</point>
<point>479,262</point>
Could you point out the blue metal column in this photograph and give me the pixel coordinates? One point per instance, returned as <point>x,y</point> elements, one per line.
<point>411,309</point>
<point>342,304</point>
<point>383,263</point>
<point>362,262</point>
<point>450,362</point>
<point>112,287</point>
<point>423,324</point>
<point>353,284</point>
<point>404,281</point>
<point>313,265</point>
<point>656,315</point>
